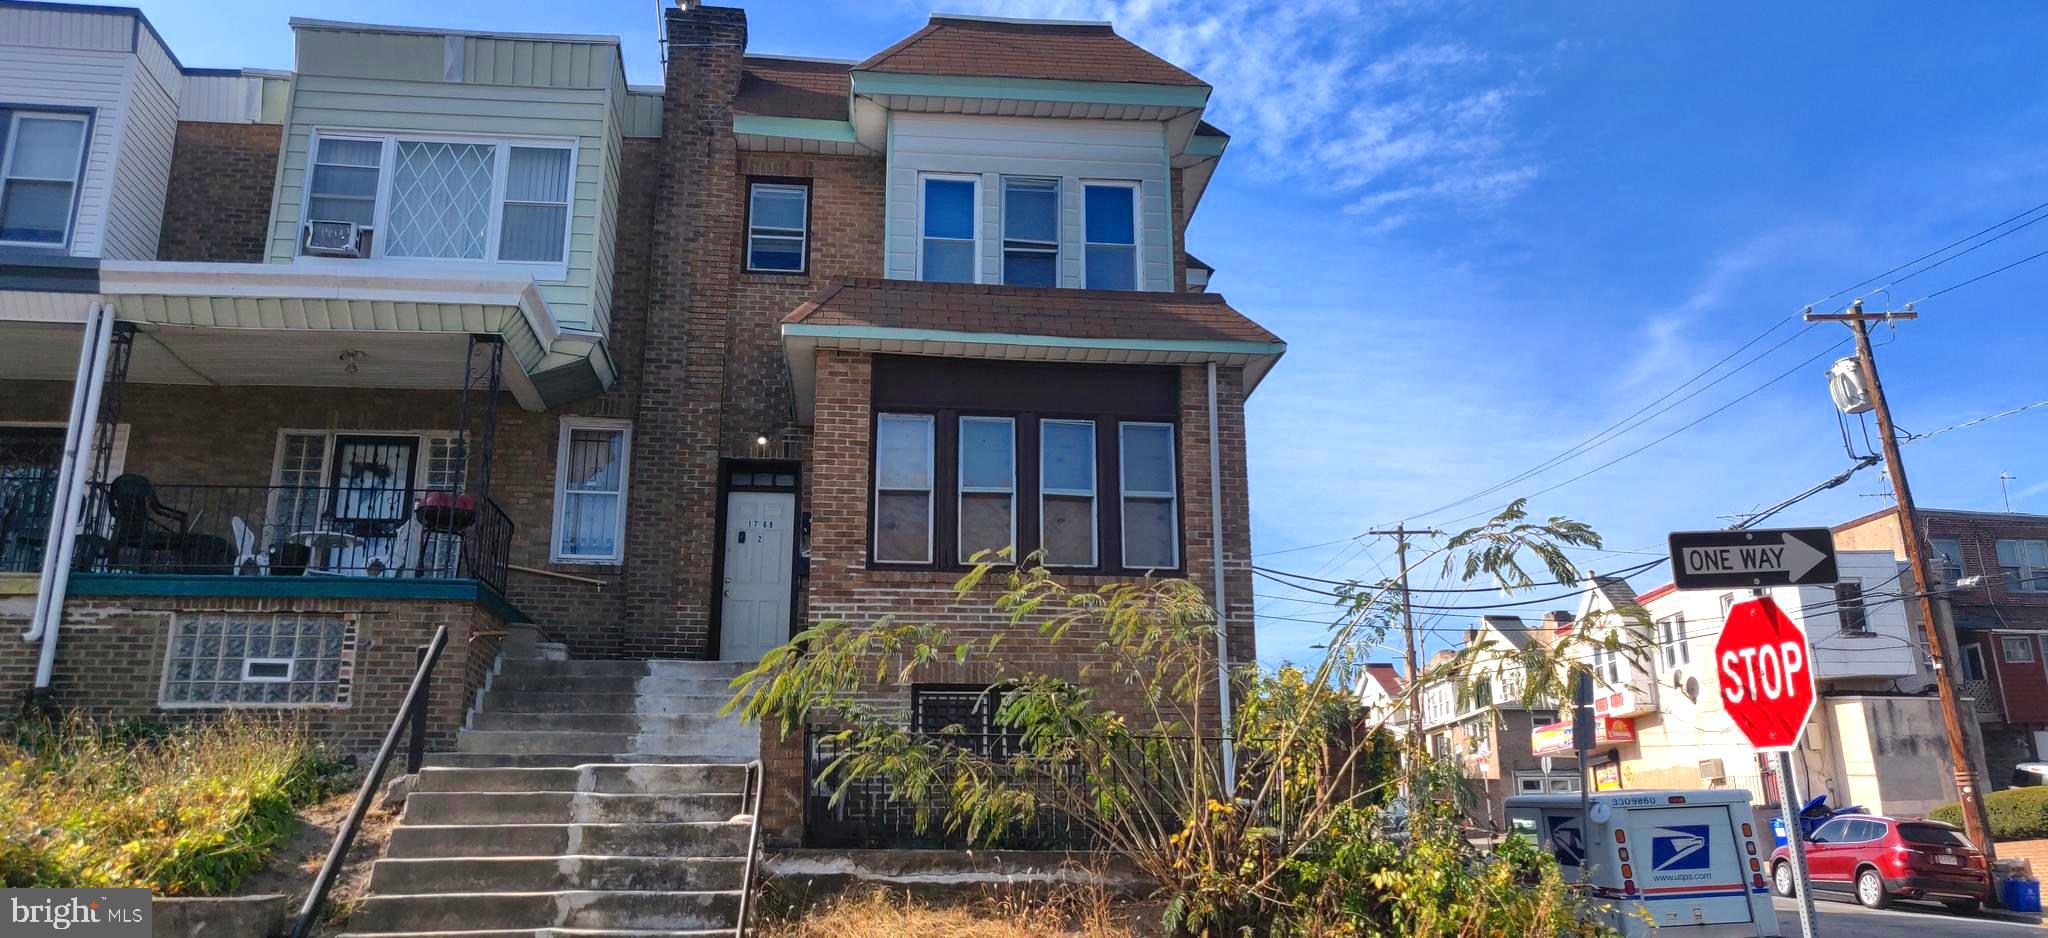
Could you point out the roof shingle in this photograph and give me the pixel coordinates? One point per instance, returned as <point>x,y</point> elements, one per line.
<point>778,87</point>
<point>1080,314</point>
<point>1021,49</point>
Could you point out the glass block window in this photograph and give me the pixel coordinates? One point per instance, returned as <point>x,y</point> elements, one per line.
<point>440,200</point>
<point>227,659</point>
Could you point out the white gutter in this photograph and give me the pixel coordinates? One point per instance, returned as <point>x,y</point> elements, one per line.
<point>51,603</point>
<point>1222,614</point>
<point>60,499</point>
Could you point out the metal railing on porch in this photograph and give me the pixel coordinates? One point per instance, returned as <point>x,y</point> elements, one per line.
<point>25,503</point>
<point>137,526</point>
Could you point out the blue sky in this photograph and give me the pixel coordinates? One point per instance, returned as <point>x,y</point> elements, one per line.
<point>1490,233</point>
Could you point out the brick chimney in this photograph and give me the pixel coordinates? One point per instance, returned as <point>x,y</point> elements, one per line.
<point>1557,622</point>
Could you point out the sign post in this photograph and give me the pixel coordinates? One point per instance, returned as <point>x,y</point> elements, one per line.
<point>1582,741</point>
<point>1766,675</point>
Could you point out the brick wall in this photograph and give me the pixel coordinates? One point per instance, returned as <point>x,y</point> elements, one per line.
<point>842,586</point>
<point>110,661</point>
<point>217,207</point>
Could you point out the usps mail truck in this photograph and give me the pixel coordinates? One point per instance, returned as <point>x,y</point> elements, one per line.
<point>1689,859</point>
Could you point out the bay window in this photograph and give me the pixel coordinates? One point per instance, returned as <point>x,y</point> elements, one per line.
<point>1077,463</point>
<point>1031,231</point>
<point>946,226</point>
<point>41,156</point>
<point>903,488</point>
<point>447,199</point>
<point>1109,219</point>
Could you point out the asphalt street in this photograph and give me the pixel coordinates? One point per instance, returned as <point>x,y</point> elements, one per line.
<point>1839,919</point>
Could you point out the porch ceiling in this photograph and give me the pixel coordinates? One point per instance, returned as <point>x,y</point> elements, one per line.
<point>199,356</point>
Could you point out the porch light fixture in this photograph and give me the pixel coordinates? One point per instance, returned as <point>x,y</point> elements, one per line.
<point>761,441</point>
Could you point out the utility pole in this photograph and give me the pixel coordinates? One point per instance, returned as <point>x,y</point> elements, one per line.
<point>1972,795</point>
<point>1400,534</point>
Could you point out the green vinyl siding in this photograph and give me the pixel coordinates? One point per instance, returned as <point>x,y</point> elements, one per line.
<point>590,116</point>
<point>399,56</point>
<point>538,63</point>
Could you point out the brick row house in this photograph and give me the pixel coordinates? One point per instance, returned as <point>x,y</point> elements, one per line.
<point>1993,570</point>
<point>448,327</point>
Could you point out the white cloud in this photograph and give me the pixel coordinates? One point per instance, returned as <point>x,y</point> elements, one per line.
<point>1332,94</point>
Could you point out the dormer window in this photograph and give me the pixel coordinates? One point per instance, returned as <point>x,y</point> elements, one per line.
<point>437,198</point>
<point>40,158</point>
<point>946,220</point>
<point>1031,231</point>
<point>1110,220</point>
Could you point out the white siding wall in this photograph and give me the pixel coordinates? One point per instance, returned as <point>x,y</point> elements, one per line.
<point>67,29</point>
<point>221,99</point>
<point>991,147</point>
<point>83,79</point>
<point>135,213</point>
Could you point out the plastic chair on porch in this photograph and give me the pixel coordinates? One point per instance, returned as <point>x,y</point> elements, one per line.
<point>142,522</point>
<point>249,561</point>
<point>403,559</point>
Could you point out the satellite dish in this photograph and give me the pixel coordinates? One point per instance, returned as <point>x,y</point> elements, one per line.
<point>1849,387</point>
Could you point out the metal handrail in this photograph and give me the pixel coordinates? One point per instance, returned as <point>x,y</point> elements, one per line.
<point>754,774</point>
<point>412,711</point>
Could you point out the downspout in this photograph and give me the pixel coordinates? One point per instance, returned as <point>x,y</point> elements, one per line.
<point>60,498</point>
<point>1216,568</point>
<point>67,539</point>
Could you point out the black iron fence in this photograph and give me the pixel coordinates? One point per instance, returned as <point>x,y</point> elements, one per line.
<point>873,815</point>
<point>133,525</point>
<point>25,501</point>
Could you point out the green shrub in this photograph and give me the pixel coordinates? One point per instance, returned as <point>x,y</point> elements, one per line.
<point>2015,813</point>
<point>188,812</point>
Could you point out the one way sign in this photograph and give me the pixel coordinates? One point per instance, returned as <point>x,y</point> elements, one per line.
<point>1781,557</point>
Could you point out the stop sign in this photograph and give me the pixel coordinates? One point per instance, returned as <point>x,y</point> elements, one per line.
<point>1766,674</point>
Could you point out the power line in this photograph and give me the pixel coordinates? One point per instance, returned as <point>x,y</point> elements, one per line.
<point>1917,437</point>
<point>1958,286</point>
<point>1504,605</point>
<point>1423,589</point>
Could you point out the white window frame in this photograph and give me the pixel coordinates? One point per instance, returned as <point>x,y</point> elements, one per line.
<point>290,666</point>
<point>970,178</point>
<point>1171,495</point>
<point>1137,228</point>
<point>1025,245</point>
<point>387,165</point>
<point>568,426</point>
<point>2031,579</point>
<point>963,489</point>
<point>1671,635</point>
<point>803,234</point>
<point>1092,494</point>
<point>930,490</point>
<point>2026,645</point>
<point>1973,660</point>
<point>1952,567</point>
<point>77,179</point>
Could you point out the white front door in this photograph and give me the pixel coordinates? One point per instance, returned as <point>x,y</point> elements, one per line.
<point>755,616</point>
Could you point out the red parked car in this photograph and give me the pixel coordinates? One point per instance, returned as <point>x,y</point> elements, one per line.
<point>1878,859</point>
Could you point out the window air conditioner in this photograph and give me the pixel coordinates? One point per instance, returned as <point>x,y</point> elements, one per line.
<point>1712,770</point>
<point>334,238</point>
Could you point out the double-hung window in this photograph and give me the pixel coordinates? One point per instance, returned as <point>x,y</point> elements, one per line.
<point>1948,556</point>
<point>1066,509</point>
<point>903,488</point>
<point>445,198</point>
<point>1671,641</point>
<point>1109,219</point>
<point>40,160</point>
<point>1150,524</point>
<point>777,217</point>
<point>2024,564</point>
<point>590,490</point>
<point>946,226</point>
<point>1031,231</point>
<point>988,485</point>
<point>1849,607</point>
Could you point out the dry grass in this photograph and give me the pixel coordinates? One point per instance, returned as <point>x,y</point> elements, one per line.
<point>1076,913</point>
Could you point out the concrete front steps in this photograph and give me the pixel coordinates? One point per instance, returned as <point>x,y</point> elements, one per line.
<point>584,798</point>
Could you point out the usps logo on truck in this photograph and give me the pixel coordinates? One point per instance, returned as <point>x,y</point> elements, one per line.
<point>1564,840</point>
<point>1680,847</point>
